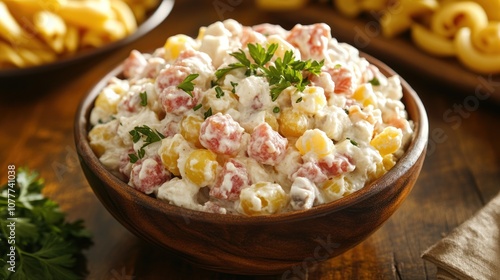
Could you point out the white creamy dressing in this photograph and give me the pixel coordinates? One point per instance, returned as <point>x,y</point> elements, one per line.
<point>333,157</point>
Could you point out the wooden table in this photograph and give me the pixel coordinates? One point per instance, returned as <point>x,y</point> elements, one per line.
<point>460,175</point>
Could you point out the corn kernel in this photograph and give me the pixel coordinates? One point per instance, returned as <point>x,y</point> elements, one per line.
<point>109,98</point>
<point>283,46</point>
<point>292,123</point>
<point>99,136</point>
<point>388,141</point>
<point>190,129</point>
<point>378,172</point>
<point>169,152</point>
<point>309,101</point>
<point>271,120</point>
<point>314,141</point>
<point>262,199</point>
<point>365,95</point>
<point>176,44</point>
<point>336,187</point>
<point>201,166</point>
<point>388,161</point>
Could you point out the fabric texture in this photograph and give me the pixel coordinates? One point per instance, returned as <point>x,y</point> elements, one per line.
<point>472,250</point>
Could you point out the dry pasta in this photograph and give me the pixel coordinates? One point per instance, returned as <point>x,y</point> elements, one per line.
<point>467,30</point>
<point>36,32</point>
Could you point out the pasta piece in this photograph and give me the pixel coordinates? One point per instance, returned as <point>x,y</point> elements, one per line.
<point>471,57</point>
<point>348,8</point>
<point>388,141</point>
<point>124,14</point>
<point>314,141</point>
<point>487,39</point>
<point>310,100</point>
<point>396,23</point>
<point>431,42</point>
<point>10,57</point>
<point>51,28</point>
<point>10,30</point>
<point>449,18</point>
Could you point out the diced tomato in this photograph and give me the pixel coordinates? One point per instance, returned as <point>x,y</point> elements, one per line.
<point>221,134</point>
<point>266,145</point>
<point>333,165</point>
<point>312,40</point>
<point>343,79</point>
<point>148,174</point>
<point>134,64</point>
<point>230,181</point>
<point>177,101</point>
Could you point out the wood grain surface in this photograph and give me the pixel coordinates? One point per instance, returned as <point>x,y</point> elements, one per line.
<point>460,175</point>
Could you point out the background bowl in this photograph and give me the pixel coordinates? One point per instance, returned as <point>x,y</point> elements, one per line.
<point>154,18</point>
<point>263,244</point>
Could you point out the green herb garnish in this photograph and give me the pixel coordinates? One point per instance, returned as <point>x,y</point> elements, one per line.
<point>281,74</point>
<point>233,84</point>
<point>197,107</point>
<point>148,135</point>
<point>218,92</point>
<point>353,142</point>
<point>144,98</point>
<point>374,82</point>
<point>276,109</point>
<point>187,85</point>
<point>208,113</point>
<point>35,233</point>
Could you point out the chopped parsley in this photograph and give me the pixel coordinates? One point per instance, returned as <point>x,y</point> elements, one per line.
<point>233,84</point>
<point>353,142</point>
<point>208,113</point>
<point>276,109</point>
<point>218,92</point>
<point>148,135</point>
<point>374,82</point>
<point>298,100</point>
<point>197,107</point>
<point>187,85</point>
<point>144,98</point>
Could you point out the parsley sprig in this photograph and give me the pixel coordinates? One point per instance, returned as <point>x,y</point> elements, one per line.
<point>46,245</point>
<point>148,135</point>
<point>283,73</point>
<point>187,84</point>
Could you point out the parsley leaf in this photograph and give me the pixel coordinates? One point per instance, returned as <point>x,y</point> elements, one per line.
<point>187,85</point>
<point>144,99</point>
<point>148,135</point>
<point>374,82</point>
<point>46,245</point>
<point>218,92</point>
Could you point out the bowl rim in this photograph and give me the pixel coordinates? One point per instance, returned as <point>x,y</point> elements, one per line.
<point>415,150</point>
<point>159,14</point>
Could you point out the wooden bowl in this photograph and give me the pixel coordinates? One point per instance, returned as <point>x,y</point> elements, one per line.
<point>262,244</point>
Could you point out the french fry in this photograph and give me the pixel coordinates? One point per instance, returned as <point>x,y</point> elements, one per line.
<point>10,30</point>
<point>34,32</point>
<point>51,28</point>
<point>89,14</point>
<point>27,8</point>
<point>9,57</point>
<point>124,14</point>
<point>71,40</point>
<point>431,42</point>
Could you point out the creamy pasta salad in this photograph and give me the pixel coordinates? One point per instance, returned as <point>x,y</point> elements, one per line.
<point>250,120</point>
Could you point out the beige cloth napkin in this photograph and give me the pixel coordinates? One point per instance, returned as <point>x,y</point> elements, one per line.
<point>472,250</point>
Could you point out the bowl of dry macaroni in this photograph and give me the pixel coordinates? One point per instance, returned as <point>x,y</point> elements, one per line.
<point>252,149</point>
<point>37,36</point>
